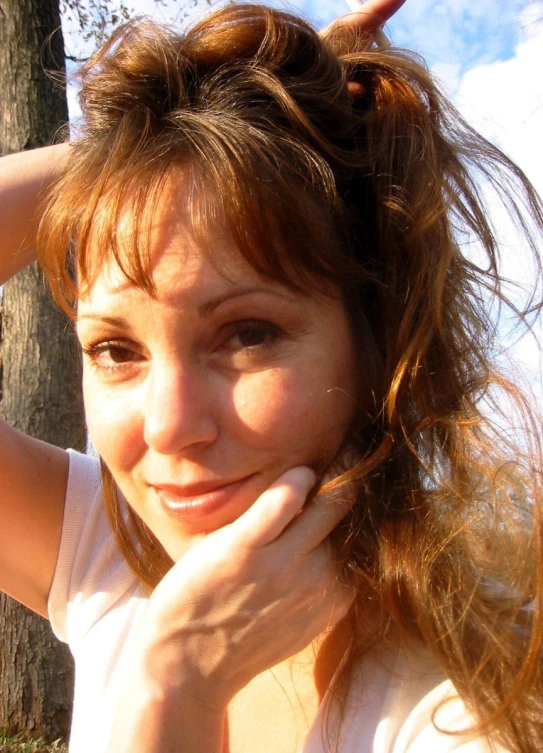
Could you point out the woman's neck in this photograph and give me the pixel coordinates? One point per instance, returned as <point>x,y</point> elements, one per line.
<point>279,707</point>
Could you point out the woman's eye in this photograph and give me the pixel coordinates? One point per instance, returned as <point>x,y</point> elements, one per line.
<point>110,355</point>
<point>251,336</point>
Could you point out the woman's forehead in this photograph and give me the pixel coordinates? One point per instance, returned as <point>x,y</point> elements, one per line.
<point>180,259</point>
<point>187,272</point>
<point>183,259</point>
<point>128,237</point>
<point>181,218</point>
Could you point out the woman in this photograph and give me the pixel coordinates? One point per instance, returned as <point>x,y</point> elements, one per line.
<point>310,519</point>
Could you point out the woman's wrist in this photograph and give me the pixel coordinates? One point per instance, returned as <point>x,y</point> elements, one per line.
<point>164,704</point>
<point>176,660</point>
<point>155,717</point>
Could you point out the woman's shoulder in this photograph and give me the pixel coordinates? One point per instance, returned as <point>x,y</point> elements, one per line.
<point>84,484</point>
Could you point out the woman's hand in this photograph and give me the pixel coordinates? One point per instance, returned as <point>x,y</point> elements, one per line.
<point>368,17</point>
<point>240,601</point>
<point>252,593</point>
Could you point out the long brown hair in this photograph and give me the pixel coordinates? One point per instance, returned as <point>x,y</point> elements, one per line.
<point>375,193</point>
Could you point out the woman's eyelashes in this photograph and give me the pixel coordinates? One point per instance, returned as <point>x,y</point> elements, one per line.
<point>238,343</point>
<point>249,336</point>
<point>111,355</point>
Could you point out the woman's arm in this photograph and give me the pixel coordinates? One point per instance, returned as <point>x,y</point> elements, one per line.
<point>23,179</point>
<point>33,480</point>
<point>33,474</point>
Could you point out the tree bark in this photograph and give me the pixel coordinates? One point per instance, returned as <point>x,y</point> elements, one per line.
<point>40,387</point>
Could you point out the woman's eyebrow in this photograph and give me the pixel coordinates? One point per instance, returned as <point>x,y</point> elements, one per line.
<point>115,321</point>
<point>205,309</point>
<point>209,307</point>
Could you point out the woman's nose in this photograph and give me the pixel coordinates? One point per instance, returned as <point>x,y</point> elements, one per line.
<point>177,410</point>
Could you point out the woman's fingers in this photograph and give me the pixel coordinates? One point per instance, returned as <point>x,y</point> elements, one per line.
<point>284,511</point>
<point>367,17</point>
<point>318,519</point>
<point>374,13</point>
<point>275,509</point>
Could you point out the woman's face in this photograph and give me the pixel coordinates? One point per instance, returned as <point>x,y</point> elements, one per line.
<point>199,398</point>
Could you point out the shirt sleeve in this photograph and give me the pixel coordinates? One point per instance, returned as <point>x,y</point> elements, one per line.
<point>440,722</point>
<point>91,573</point>
<point>400,701</point>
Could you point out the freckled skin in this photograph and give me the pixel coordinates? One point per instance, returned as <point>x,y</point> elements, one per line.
<point>263,382</point>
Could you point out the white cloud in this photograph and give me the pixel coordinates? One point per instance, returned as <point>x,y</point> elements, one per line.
<point>459,32</point>
<point>504,101</point>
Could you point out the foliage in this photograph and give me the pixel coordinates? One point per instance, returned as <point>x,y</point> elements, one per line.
<point>96,19</point>
<point>22,744</point>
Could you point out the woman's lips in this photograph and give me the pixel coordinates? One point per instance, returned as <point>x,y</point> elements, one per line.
<point>196,502</point>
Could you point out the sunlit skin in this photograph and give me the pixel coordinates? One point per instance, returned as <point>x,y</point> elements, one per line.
<point>199,398</point>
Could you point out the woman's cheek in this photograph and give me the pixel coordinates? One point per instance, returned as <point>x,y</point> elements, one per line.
<point>268,406</point>
<point>278,415</point>
<point>301,416</point>
<point>114,424</point>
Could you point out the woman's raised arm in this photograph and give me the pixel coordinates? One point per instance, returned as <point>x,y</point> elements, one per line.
<point>23,178</point>
<point>33,474</point>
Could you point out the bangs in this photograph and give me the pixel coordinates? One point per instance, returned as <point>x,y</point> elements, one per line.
<point>282,213</point>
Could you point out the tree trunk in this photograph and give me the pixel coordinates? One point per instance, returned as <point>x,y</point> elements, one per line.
<point>40,389</point>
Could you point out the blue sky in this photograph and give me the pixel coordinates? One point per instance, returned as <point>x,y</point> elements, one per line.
<point>489,56</point>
